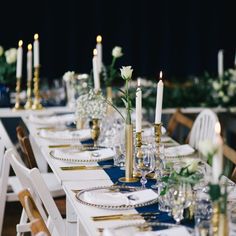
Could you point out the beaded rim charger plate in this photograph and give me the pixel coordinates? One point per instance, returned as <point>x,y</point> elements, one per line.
<point>111,189</point>
<point>95,157</point>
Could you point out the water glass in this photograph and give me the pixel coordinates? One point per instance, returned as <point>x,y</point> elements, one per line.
<point>145,164</point>
<point>203,213</point>
<point>119,157</point>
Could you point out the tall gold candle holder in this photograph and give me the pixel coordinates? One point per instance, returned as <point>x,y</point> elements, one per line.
<point>29,101</point>
<point>129,159</point>
<point>17,104</point>
<point>95,131</point>
<point>36,104</point>
<point>157,132</point>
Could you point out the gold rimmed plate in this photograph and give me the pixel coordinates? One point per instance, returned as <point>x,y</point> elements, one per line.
<point>116,197</point>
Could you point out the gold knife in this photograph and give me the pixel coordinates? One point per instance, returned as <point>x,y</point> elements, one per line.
<point>125,216</point>
<point>86,167</point>
<point>60,146</point>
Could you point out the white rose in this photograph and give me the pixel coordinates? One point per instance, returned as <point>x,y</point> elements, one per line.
<point>225,99</point>
<point>207,147</point>
<point>192,165</point>
<point>1,51</point>
<point>69,75</point>
<point>216,85</point>
<point>117,52</point>
<point>11,55</point>
<point>126,72</point>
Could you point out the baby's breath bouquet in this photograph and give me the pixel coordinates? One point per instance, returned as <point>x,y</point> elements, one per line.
<point>91,105</point>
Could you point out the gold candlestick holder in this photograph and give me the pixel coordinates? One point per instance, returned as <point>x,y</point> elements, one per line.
<point>29,101</point>
<point>157,132</point>
<point>95,131</point>
<point>139,154</point>
<point>36,104</point>
<point>129,159</point>
<point>17,104</point>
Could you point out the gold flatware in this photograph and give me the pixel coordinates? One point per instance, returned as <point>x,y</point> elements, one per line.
<point>86,167</point>
<point>125,216</point>
<point>60,146</point>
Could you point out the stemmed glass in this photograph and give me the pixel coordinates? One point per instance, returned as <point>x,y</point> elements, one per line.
<point>159,152</point>
<point>146,163</point>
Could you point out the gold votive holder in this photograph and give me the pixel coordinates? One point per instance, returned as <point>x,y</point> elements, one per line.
<point>95,130</point>
<point>80,123</point>
<point>129,158</point>
<point>17,103</point>
<point>36,104</point>
<point>157,133</point>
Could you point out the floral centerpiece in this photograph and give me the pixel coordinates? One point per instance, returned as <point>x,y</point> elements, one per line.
<point>176,190</point>
<point>223,89</point>
<point>8,67</point>
<point>92,105</point>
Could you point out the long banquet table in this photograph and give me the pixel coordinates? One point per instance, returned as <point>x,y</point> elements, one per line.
<point>79,215</point>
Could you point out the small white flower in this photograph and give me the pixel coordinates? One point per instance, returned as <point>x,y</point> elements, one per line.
<point>221,94</point>
<point>225,99</point>
<point>1,50</point>
<point>192,165</point>
<point>11,55</point>
<point>207,148</point>
<point>126,72</point>
<point>117,52</point>
<point>216,85</point>
<point>68,76</point>
<point>84,85</point>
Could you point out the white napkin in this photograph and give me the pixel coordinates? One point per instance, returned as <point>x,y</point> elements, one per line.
<point>101,154</point>
<point>177,231</point>
<point>81,135</point>
<point>181,150</point>
<point>52,120</point>
<point>118,199</point>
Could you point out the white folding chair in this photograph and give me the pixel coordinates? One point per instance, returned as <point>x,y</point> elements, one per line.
<point>32,179</point>
<point>12,183</point>
<point>203,128</point>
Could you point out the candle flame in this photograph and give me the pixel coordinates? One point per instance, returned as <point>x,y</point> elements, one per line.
<point>99,39</point>
<point>95,52</point>
<point>36,37</point>
<point>161,74</point>
<point>217,128</point>
<point>139,82</point>
<point>20,43</point>
<point>30,47</point>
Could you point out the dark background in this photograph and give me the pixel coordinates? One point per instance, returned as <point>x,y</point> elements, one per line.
<point>180,37</point>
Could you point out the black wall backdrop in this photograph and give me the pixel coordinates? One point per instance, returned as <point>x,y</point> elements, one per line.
<point>180,37</point>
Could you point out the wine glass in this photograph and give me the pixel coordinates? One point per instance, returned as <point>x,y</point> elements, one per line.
<point>145,163</point>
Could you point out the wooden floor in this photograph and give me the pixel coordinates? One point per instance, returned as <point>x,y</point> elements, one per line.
<point>11,218</point>
<point>13,213</point>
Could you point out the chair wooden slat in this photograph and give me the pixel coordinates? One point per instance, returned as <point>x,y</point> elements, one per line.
<point>33,213</point>
<point>178,118</point>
